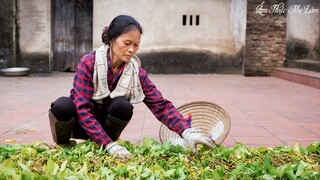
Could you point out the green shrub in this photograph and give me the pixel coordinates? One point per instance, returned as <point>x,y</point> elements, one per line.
<point>152,160</point>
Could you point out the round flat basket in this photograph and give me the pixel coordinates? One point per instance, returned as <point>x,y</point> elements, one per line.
<point>15,71</point>
<point>211,119</point>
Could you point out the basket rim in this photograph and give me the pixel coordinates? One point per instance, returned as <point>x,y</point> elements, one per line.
<point>226,120</point>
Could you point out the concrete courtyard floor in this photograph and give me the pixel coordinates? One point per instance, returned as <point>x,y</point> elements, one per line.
<point>265,111</point>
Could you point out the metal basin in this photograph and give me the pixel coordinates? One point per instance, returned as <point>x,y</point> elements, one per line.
<point>15,71</point>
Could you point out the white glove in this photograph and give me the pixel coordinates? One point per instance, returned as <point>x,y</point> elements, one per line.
<point>119,151</point>
<point>193,136</point>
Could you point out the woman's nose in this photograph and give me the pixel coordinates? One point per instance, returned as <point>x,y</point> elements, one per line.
<point>131,49</point>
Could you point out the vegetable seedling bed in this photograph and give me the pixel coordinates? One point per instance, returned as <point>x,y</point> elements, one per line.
<point>152,160</point>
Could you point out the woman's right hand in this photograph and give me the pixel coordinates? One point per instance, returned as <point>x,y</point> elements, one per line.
<point>119,151</point>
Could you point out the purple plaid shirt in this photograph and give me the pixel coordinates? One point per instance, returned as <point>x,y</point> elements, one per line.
<point>82,92</point>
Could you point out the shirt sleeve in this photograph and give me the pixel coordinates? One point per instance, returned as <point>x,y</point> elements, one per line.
<point>162,108</point>
<point>81,94</point>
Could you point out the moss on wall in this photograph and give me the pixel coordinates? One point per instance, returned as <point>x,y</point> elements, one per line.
<point>37,62</point>
<point>7,33</point>
<point>191,62</point>
<point>297,49</point>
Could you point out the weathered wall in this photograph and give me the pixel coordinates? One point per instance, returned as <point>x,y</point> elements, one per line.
<point>34,31</point>
<point>7,34</point>
<point>265,37</point>
<point>212,46</point>
<point>303,29</point>
<point>238,17</point>
<point>230,36</point>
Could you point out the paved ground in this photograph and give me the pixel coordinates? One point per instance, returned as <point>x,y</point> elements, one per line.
<point>265,111</point>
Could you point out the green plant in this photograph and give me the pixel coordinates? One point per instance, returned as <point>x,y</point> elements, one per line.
<point>152,160</point>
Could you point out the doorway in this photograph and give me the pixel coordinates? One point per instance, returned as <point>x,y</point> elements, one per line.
<point>71,32</point>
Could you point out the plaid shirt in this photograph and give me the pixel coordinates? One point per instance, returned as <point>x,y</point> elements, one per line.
<point>82,92</point>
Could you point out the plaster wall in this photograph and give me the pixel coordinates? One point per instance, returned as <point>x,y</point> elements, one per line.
<point>303,20</point>
<point>34,34</point>
<point>162,22</point>
<point>34,24</point>
<point>303,28</point>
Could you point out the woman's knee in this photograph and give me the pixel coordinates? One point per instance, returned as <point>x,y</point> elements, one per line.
<point>121,108</point>
<point>63,109</point>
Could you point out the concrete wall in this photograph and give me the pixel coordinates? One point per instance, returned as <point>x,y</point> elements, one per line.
<point>213,46</point>
<point>34,34</point>
<point>303,29</point>
<point>220,42</point>
<point>238,18</point>
<point>162,23</point>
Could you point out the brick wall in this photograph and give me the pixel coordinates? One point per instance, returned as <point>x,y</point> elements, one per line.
<point>265,37</point>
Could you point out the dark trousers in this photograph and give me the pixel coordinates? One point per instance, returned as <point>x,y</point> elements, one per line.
<point>113,116</point>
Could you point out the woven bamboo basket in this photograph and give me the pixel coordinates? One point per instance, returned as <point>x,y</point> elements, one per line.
<point>210,118</point>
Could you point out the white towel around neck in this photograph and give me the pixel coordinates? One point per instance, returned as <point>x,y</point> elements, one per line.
<point>128,85</point>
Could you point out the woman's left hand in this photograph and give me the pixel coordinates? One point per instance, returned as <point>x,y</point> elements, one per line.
<point>193,136</point>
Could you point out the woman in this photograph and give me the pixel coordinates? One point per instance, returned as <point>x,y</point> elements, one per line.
<point>106,84</point>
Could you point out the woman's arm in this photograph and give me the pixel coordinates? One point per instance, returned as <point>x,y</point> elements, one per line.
<point>162,108</point>
<point>81,94</point>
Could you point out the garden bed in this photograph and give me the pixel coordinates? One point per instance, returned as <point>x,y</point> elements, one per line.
<point>152,160</point>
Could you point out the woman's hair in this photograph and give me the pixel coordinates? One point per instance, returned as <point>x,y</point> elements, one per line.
<point>119,25</point>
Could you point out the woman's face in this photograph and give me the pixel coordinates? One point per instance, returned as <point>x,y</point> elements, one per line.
<point>126,45</point>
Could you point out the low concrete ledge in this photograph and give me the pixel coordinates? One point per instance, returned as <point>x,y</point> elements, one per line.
<point>301,76</point>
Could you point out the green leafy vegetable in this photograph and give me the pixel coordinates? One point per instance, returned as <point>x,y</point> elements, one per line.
<point>152,160</point>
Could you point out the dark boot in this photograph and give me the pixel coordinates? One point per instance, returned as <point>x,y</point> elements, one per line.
<point>114,127</point>
<point>61,131</point>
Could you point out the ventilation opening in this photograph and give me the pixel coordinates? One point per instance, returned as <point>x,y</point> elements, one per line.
<point>197,20</point>
<point>184,20</point>
<point>191,21</point>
